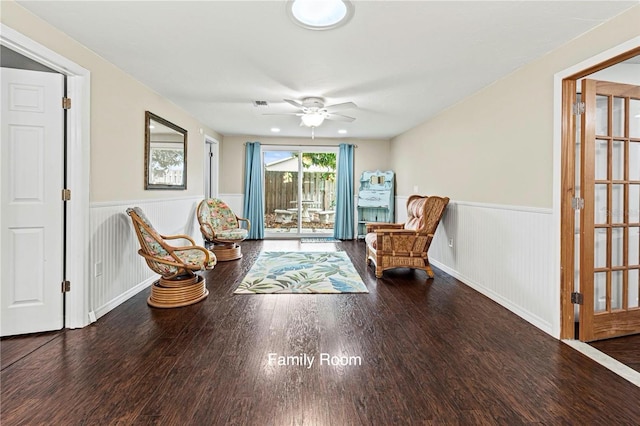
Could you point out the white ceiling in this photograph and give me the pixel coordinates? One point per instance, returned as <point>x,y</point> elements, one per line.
<point>400,62</point>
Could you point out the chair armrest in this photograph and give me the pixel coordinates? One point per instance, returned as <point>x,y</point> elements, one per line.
<point>160,259</point>
<point>395,231</point>
<point>372,226</point>
<point>205,229</point>
<point>207,256</point>
<point>244,220</point>
<point>179,236</point>
<point>176,260</point>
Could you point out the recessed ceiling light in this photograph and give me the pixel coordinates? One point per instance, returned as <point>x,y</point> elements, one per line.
<point>342,131</point>
<point>320,14</point>
<point>275,129</point>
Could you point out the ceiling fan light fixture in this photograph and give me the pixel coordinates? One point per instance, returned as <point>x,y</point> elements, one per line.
<point>320,14</point>
<point>312,119</point>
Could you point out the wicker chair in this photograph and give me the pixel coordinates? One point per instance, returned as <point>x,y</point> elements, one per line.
<point>178,284</point>
<point>221,229</point>
<point>405,245</point>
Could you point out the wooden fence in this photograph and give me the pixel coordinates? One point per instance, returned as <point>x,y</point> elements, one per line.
<point>281,190</point>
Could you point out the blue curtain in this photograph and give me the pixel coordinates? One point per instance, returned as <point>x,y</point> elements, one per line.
<point>343,227</point>
<point>253,206</point>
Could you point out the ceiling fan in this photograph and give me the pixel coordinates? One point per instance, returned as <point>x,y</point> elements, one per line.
<point>313,112</point>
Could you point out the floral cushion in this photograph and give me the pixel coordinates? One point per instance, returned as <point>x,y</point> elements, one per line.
<point>218,222</point>
<point>196,257</point>
<point>218,214</point>
<point>232,234</point>
<point>151,238</point>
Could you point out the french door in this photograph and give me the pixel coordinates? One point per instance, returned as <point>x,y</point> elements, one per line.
<point>299,191</point>
<point>610,219</point>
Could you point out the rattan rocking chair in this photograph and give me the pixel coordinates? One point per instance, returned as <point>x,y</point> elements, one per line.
<point>178,285</point>
<point>220,228</point>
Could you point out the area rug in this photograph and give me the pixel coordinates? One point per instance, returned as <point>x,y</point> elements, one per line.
<point>302,272</point>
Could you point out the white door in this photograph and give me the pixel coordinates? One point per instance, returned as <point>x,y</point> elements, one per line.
<point>31,217</point>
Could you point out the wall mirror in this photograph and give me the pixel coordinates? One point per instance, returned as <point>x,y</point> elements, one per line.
<point>165,154</point>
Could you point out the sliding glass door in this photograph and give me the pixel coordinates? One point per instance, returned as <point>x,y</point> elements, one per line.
<point>299,191</point>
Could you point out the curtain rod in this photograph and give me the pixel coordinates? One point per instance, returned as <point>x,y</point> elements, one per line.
<point>285,144</point>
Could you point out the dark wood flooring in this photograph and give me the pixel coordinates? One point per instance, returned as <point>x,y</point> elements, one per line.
<point>624,349</point>
<point>432,352</point>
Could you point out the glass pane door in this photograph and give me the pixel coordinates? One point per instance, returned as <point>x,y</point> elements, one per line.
<point>610,222</point>
<point>297,207</point>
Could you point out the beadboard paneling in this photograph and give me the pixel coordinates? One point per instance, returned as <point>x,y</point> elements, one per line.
<point>504,252</point>
<point>113,243</point>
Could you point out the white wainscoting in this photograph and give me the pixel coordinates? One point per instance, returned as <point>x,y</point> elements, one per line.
<point>113,243</point>
<point>503,252</point>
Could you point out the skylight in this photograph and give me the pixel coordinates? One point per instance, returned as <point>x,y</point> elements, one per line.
<point>320,14</point>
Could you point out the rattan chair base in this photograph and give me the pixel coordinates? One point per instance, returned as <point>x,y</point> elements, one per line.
<point>177,293</point>
<point>226,252</point>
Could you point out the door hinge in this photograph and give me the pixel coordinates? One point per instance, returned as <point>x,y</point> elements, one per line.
<point>66,194</point>
<point>578,108</point>
<point>66,286</point>
<point>66,103</point>
<point>576,298</point>
<point>577,203</point>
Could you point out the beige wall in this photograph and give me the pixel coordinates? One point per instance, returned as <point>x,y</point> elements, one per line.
<point>371,154</point>
<point>118,103</point>
<point>496,146</point>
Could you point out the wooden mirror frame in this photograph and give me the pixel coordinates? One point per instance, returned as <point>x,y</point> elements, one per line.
<point>150,182</point>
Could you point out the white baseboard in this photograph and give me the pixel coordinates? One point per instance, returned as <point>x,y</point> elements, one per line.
<point>527,316</point>
<point>114,303</point>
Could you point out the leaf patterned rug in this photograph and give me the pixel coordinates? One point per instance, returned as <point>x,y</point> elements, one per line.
<point>302,272</point>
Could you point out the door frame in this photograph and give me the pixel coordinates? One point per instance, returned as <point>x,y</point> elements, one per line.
<point>564,170</point>
<point>77,312</point>
<point>211,145</point>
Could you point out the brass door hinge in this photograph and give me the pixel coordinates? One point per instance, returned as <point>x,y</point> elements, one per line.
<point>66,103</point>
<point>66,194</point>
<point>66,286</point>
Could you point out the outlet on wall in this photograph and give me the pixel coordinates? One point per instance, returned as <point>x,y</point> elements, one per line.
<point>415,189</point>
<point>450,242</point>
<point>97,268</point>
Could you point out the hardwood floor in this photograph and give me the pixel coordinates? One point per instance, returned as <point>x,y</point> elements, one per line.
<point>624,349</point>
<point>431,352</point>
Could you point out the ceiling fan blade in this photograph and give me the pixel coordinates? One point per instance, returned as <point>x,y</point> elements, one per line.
<point>282,113</point>
<point>294,103</point>
<point>340,107</point>
<point>339,117</point>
